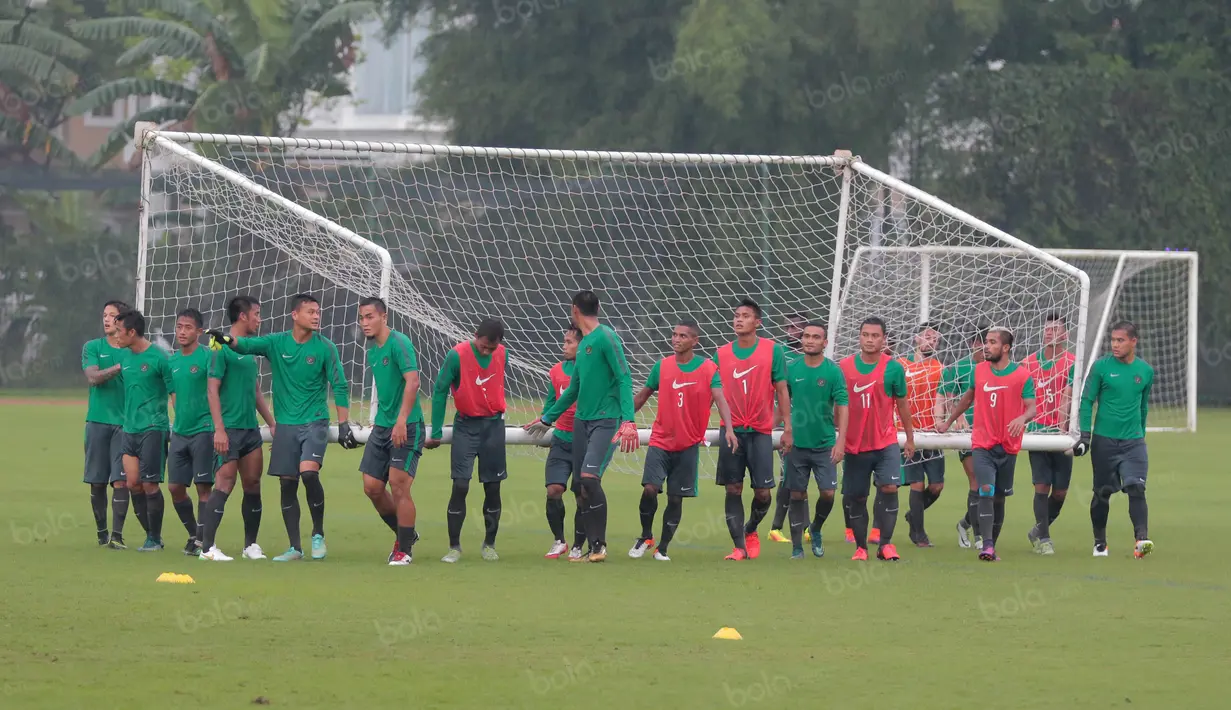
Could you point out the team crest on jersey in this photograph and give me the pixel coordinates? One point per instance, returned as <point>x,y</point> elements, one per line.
<point>145,367</point>
<point>311,360</point>
<point>1137,379</point>
<point>820,382</point>
<point>194,369</point>
<point>384,361</point>
<point>589,350</point>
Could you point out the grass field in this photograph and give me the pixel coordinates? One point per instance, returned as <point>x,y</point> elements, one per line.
<point>88,627</point>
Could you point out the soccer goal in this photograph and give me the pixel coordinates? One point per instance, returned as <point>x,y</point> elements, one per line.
<point>1156,290</point>
<point>450,235</point>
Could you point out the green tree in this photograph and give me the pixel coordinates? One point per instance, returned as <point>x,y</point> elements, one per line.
<point>233,66</point>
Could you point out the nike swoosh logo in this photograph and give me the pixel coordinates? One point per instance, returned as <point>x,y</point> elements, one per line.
<point>860,389</point>
<point>483,380</point>
<point>175,370</point>
<point>562,391</point>
<point>799,379</point>
<point>740,375</point>
<point>1114,374</point>
<point>241,357</point>
<point>685,490</point>
<point>316,456</point>
<point>676,384</point>
<point>914,373</point>
<point>288,357</point>
<point>989,388</point>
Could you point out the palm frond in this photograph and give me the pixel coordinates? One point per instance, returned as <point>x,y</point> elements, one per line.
<point>40,140</point>
<point>35,66</point>
<point>107,29</point>
<point>200,18</point>
<point>122,134</point>
<point>45,40</point>
<point>257,62</point>
<point>113,91</point>
<point>348,13</point>
<point>149,48</point>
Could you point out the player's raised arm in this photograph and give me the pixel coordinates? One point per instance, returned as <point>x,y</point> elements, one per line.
<point>446,379</point>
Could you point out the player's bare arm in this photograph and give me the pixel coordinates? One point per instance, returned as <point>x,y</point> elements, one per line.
<point>642,397</point>
<point>724,411</point>
<point>409,394</point>
<point>262,408</point>
<point>908,424</point>
<point>1018,426</point>
<point>784,406</point>
<point>842,417</point>
<point>222,444</point>
<point>958,410</point>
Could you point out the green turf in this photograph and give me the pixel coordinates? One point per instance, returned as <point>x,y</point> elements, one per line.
<point>87,627</point>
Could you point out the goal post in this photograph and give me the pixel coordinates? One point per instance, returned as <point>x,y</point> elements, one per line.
<point>450,235</point>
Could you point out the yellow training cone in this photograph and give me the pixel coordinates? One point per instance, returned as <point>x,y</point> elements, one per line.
<point>166,577</point>
<point>185,579</point>
<point>729,634</point>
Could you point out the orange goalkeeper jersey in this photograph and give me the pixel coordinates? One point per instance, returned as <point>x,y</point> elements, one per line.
<point>922,383</point>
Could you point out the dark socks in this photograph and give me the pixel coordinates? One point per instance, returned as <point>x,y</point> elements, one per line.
<point>846,516</point>
<point>315,493</point>
<point>141,509</point>
<point>1100,507</point>
<point>119,511</point>
<point>1041,522</point>
<point>491,512</point>
<point>211,514</point>
<point>154,506</point>
<point>98,504</point>
<point>734,507</point>
<point>250,509</point>
<point>579,522</point>
<point>457,513</point>
<point>202,505</point>
<point>406,538</point>
<point>929,498</point>
<point>824,506</point>
<point>290,511</point>
<point>782,503</point>
<point>985,518</point>
<point>756,513</point>
<point>555,517</point>
<point>997,517</point>
<point>648,507</point>
<point>797,508</point>
<point>596,517</point>
<point>888,504</point>
<point>857,513</point>
<point>1138,512</point>
<point>391,521</point>
<point>917,507</point>
<point>1054,505</point>
<point>183,508</point>
<point>972,510</point>
<point>671,521</point>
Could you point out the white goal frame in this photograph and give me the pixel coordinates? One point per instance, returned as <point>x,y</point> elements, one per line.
<point>1104,314</point>
<point>180,144</point>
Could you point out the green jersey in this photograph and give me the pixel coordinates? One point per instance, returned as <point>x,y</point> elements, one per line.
<point>1122,392</point>
<point>814,393</point>
<point>389,364</point>
<point>956,380</point>
<point>237,392</point>
<point>791,356</point>
<point>602,385</point>
<point>190,376</point>
<point>147,385</point>
<point>107,399</point>
<point>302,371</point>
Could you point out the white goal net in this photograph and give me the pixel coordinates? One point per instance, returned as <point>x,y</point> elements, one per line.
<point>477,232</point>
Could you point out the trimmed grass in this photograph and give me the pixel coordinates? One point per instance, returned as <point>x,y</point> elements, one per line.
<point>89,627</point>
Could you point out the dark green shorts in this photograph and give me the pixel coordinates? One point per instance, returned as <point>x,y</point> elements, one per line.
<point>994,467</point>
<point>380,455</point>
<point>104,453</point>
<point>755,456</point>
<point>481,440</point>
<point>150,448</point>
<point>803,464</point>
<point>190,459</point>
<point>926,464</point>
<point>1118,463</point>
<point>677,469</point>
<point>593,445</point>
<point>1051,468</point>
<point>559,467</point>
<point>240,443</point>
<point>296,443</point>
<point>882,467</point>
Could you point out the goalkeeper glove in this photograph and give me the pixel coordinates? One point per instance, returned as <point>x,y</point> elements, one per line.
<point>1082,445</point>
<point>217,339</point>
<point>537,428</point>
<point>346,437</point>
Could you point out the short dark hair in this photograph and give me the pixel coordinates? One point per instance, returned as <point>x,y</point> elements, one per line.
<point>574,330</point>
<point>873,320</point>
<point>1056,317</point>
<point>690,324</point>
<point>120,306</point>
<point>817,324</point>
<point>193,314</point>
<point>1129,327</point>
<point>586,303</point>
<point>374,301</point>
<point>240,305</point>
<point>1006,335</point>
<point>301,298</point>
<point>132,320</point>
<point>800,316</point>
<point>491,329</point>
<point>979,335</point>
<point>746,302</point>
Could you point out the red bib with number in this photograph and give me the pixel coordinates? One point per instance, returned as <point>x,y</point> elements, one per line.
<point>748,386</point>
<point>1049,386</point>
<point>998,401</point>
<point>870,426</point>
<point>559,383</point>
<point>479,391</point>
<point>684,402</point>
